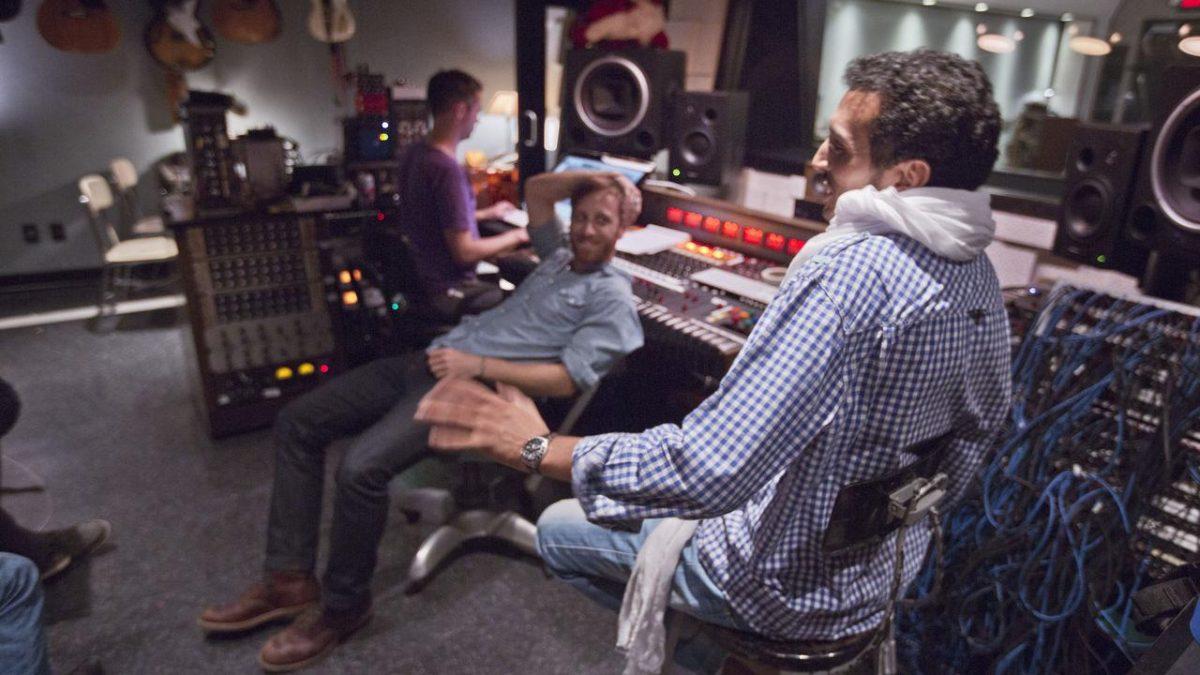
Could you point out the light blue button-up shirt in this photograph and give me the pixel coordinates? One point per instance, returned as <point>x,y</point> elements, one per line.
<point>586,321</point>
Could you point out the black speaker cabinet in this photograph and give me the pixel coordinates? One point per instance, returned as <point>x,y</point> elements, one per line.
<point>619,101</point>
<point>1101,166</point>
<point>708,135</point>
<point>1166,206</point>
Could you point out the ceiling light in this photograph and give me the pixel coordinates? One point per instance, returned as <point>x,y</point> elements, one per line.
<point>980,29</point>
<point>1018,35</point>
<point>1114,38</point>
<point>996,44</point>
<point>1190,45</point>
<point>981,7</point>
<point>1027,12</point>
<point>1067,16</point>
<point>1089,46</point>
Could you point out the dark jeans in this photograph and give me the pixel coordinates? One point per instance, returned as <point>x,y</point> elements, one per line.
<point>378,400</point>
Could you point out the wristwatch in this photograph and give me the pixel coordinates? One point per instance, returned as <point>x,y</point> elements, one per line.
<point>534,450</point>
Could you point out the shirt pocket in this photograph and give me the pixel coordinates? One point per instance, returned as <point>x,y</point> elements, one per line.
<point>568,306</point>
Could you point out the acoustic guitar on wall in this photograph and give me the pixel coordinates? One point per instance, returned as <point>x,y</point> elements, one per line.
<point>178,41</point>
<point>80,26</point>
<point>332,22</point>
<point>247,21</point>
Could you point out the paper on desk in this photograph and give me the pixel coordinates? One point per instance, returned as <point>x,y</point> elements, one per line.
<point>649,240</point>
<point>517,218</point>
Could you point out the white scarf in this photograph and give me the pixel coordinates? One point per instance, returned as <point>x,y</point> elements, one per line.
<point>955,224</point>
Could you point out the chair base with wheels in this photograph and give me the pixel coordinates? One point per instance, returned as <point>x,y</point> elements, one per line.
<point>461,516</point>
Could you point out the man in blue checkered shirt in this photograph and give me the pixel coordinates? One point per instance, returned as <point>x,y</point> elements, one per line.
<point>889,331</point>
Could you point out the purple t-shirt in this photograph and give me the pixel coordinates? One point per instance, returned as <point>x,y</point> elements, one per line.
<point>435,197</point>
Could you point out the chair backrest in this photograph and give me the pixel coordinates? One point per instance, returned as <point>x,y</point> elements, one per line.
<point>97,198</point>
<point>124,173</point>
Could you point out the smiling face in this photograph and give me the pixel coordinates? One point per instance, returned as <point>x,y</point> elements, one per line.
<point>595,227</point>
<point>843,162</point>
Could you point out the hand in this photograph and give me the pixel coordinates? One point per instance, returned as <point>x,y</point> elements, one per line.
<point>446,362</point>
<point>468,416</point>
<point>496,211</point>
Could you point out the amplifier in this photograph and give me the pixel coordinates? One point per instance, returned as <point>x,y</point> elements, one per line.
<point>260,306</point>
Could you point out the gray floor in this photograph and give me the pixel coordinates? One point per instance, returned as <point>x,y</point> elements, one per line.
<point>110,424</point>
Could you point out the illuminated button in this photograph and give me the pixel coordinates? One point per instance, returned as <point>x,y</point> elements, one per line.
<point>344,276</point>
<point>794,246</point>
<point>357,274</point>
<point>324,368</point>
<point>775,242</point>
<point>380,217</point>
<point>283,373</point>
<point>704,250</point>
<point>719,255</point>
<point>712,224</point>
<point>731,229</point>
<point>349,298</point>
<point>674,214</point>
<point>383,137</point>
<point>752,235</point>
<point>692,219</point>
<point>306,369</point>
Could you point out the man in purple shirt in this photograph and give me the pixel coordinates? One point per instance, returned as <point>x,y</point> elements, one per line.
<point>437,205</point>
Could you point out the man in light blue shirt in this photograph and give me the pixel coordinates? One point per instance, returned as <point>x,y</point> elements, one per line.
<point>557,335</point>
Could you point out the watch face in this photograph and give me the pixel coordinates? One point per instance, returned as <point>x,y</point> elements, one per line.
<point>533,450</point>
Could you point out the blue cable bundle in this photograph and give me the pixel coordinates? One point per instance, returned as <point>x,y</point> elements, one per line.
<point>1040,564</point>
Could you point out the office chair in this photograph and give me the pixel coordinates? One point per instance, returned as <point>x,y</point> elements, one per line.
<point>863,513</point>
<point>459,525</point>
<point>125,178</point>
<point>119,258</point>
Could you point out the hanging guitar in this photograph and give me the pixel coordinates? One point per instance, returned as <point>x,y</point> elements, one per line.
<point>330,21</point>
<point>178,41</point>
<point>81,26</point>
<point>247,21</point>
<point>9,9</point>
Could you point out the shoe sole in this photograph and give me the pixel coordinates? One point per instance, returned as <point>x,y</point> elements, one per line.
<point>279,614</point>
<point>288,667</point>
<point>63,563</point>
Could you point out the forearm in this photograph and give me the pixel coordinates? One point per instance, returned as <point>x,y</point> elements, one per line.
<point>545,189</point>
<point>471,251</point>
<point>535,379</point>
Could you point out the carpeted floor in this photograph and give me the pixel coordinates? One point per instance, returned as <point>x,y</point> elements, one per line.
<point>109,423</point>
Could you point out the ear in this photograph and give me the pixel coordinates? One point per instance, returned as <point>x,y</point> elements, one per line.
<point>911,173</point>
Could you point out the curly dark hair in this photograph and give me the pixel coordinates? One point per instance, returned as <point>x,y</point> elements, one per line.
<point>937,107</point>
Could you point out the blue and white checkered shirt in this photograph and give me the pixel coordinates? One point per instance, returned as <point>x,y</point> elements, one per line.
<point>874,345</point>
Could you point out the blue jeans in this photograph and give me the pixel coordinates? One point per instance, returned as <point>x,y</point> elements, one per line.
<point>598,562</point>
<point>22,640</point>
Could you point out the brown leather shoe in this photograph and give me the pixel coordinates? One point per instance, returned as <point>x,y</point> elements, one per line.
<point>282,595</point>
<point>311,638</point>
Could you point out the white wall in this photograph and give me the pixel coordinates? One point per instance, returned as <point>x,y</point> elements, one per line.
<point>63,115</point>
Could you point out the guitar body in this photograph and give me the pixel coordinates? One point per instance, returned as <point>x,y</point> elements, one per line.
<point>331,21</point>
<point>247,21</point>
<point>176,38</point>
<point>81,26</point>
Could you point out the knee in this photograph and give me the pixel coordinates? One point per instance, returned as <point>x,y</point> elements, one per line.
<point>554,528</point>
<point>21,580</point>
<point>293,423</point>
<point>362,478</point>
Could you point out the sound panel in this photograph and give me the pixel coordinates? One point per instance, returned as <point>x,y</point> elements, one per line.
<point>708,135</point>
<point>1101,165</point>
<point>619,101</point>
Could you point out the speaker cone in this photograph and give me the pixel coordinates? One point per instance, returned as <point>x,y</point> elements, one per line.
<point>611,96</point>
<point>1087,208</point>
<point>1175,165</point>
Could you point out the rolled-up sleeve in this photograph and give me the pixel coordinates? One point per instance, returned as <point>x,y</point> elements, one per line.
<point>610,330</point>
<point>547,238</point>
<point>781,390</point>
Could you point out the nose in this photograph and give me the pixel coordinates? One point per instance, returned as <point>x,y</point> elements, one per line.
<point>820,159</point>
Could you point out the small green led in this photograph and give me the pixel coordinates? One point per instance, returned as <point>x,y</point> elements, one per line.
<point>676,172</point>
<point>1101,259</point>
<point>395,307</point>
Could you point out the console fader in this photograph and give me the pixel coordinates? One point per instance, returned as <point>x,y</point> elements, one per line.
<point>699,300</point>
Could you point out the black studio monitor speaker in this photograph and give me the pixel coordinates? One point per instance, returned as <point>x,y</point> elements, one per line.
<point>708,135</point>
<point>1165,214</point>
<point>619,101</point>
<point>1101,168</point>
